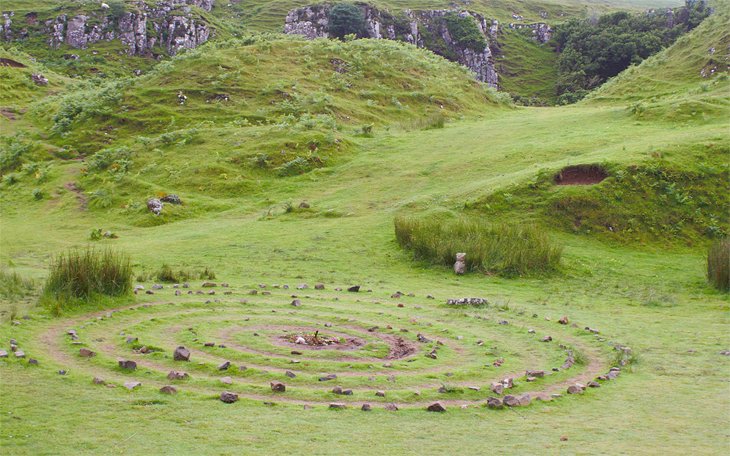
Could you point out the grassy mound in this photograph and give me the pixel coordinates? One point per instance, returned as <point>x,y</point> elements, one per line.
<point>507,250</point>
<point>656,201</point>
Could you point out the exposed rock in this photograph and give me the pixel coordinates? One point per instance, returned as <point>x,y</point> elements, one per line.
<point>328,377</point>
<point>296,303</point>
<point>155,206</point>
<point>354,289</point>
<point>575,389</point>
<point>535,373</point>
<point>228,397</point>
<point>98,381</point>
<point>392,407</point>
<point>209,285</point>
<point>278,387</point>
<point>132,385</point>
<point>511,401</point>
<point>3,354</point>
<point>564,320</point>
<point>226,380</point>
<point>547,339</point>
<point>366,407</point>
<point>176,375</point>
<point>290,374</point>
<point>172,199</point>
<point>33,361</point>
<point>497,387</point>
<point>436,407</point>
<point>168,389</point>
<point>494,403</point>
<point>181,354</point>
<point>224,366</point>
<point>380,393</point>
<point>39,79</point>
<point>319,286</point>
<point>337,406</point>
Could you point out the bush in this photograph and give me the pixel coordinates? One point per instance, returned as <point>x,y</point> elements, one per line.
<point>83,275</point>
<point>346,19</point>
<point>718,265</point>
<point>167,274</point>
<point>12,151</point>
<point>114,159</point>
<point>507,250</point>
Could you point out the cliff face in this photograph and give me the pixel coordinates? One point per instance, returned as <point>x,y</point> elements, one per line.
<point>170,25</point>
<point>427,29</point>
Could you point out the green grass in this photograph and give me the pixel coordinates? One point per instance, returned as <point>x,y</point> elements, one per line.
<point>653,298</point>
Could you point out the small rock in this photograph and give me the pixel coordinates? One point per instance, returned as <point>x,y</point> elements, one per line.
<point>494,403</point>
<point>380,393</point>
<point>175,375</point>
<point>564,320</point>
<point>278,387</point>
<point>366,407</point>
<point>354,289</point>
<point>181,354</point>
<point>296,303</point>
<point>98,381</point>
<point>224,366</point>
<point>290,374</point>
<point>319,286</point>
<point>391,407</point>
<point>62,372</point>
<point>497,387</point>
<point>436,407</point>
<point>594,384</point>
<point>228,397</point>
<point>33,361</point>
<point>511,401</point>
<point>547,339</point>
<point>575,389</point>
<point>132,385</point>
<point>86,353</point>
<point>3,354</point>
<point>337,406</point>
<point>327,377</point>
<point>227,380</point>
<point>168,389</point>
<point>127,364</point>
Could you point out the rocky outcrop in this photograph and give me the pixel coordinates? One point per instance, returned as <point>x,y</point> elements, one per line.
<point>426,29</point>
<point>166,26</point>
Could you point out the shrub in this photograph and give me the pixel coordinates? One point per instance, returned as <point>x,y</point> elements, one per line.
<point>85,274</point>
<point>507,250</point>
<point>346,19</point>
<point>12,151</point>
<point>114,159</point>
<point>718,264</point>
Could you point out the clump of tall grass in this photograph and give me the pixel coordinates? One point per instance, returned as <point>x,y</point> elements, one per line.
<point>507,250</point>
<point>84,274</point>
<point>718,264</point>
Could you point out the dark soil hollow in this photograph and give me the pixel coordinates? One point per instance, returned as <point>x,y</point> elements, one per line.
<point>11,63</point>
<point>580,175</point>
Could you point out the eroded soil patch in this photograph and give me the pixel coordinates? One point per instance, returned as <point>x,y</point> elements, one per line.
<point>580,175</point>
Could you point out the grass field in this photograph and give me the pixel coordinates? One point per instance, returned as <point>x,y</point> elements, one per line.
<point>645,292</point>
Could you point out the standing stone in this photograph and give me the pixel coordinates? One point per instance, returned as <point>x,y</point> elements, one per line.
<point>460,264</point>
<point>181,354</point>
